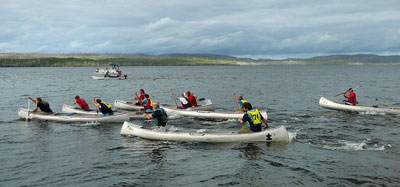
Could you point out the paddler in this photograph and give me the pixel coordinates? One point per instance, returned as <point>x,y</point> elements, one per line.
<point>183,100</point>
<point>159,115</point>
<point>139,98</point>
<point>191,98</point>
<point>81,102</point>
<point>351,97</point>
<point>104,107</point>
<point>253,120</point>
<point>147,104</point>
<point>239,102</point>
<point>43,105</point>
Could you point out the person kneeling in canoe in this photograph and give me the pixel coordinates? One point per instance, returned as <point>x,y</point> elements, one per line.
<point>159,115</point>
<point>139,98</point>
<point>351,97</point>
<point>239,102</point>
<point>253,120</point>
<point>147,104</point>
<point>104,107</point>
<point>81,102</point>
<point>191,98</point>
<point>184,101</point>
<point>43,105</point>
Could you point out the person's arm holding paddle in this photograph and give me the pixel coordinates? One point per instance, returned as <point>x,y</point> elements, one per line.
<point>236,101</point>
<point>266,123</point>
<point>35,109</point>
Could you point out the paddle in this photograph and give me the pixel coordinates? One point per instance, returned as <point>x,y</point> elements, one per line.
<point>174,96</point>
<point>235,100</point>
<point>29,104</point>
<point>347,90</point>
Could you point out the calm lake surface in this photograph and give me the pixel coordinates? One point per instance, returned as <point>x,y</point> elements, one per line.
<point>331,148</point>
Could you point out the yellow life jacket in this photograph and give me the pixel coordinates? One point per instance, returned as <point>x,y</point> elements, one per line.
<point>107,105</point>
<point>242,107</point>
<point>255,116</point>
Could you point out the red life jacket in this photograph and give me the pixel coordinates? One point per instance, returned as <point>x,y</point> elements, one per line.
<point>352,98</point>
<point>192,100</point>
<point>149,104</point>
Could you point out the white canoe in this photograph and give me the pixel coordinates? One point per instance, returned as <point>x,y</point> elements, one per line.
<point>76,110</point>
<point>127,105</point>
<point>278,134</point>
<point>325,103</point>
<point>109,78</point>
<point>23,114</point>
<point>207,114</point>
<point>204,105</point>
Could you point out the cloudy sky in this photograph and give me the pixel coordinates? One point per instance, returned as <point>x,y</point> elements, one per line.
<point>273,28</point>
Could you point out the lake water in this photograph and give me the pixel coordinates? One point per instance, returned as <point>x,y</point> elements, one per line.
<point>331,148</point>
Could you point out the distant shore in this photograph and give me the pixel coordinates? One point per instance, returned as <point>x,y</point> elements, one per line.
<point>90,60</point>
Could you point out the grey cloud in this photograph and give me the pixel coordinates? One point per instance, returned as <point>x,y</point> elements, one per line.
<point>255,28</point>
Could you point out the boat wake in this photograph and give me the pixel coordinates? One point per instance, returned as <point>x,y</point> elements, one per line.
<point>292,135</point>
<point>372,113</point>
<point>174,115</point>
<point>356,146</point>
<point>87,124</point>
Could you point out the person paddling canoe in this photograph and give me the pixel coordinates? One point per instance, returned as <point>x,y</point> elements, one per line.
<point>104,107</point>
<point>239,102</point>
<point>147,104</point>
<point>81,102</point>
<point>139,98</point>
<point>159,115</point>
<point>253,120</point>
<point>351,97</point>
<point>184,101</point>
<point>43,105</point>
<point>192,99</point>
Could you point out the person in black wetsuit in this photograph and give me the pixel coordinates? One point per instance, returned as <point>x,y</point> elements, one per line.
<point>43,105</point>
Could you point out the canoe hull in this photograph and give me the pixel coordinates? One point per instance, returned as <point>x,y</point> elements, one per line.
<point>328,104</point>
<point>72,109</point>
<point>207,114</point>
<point>205,105</point>
<point>127,105</point>
<point>279,134</point>
<point>23,114</point>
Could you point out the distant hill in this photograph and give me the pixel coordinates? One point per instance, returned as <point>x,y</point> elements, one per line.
<point>358,58</point>
<point>179,59</point>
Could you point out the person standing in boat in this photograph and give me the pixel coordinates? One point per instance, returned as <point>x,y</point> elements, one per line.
<point>139,98</point>
<point>239,102</point>
<point>253,120</point>
<point>104,107</point>
<point>183,100</point>
<point>43,105</point>
<point>351,97</point>
<point>192,100</point>
<point>159,115</point>
<point>81,102</point>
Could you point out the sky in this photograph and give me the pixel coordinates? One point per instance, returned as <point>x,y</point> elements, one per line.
<point>255,29</point>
